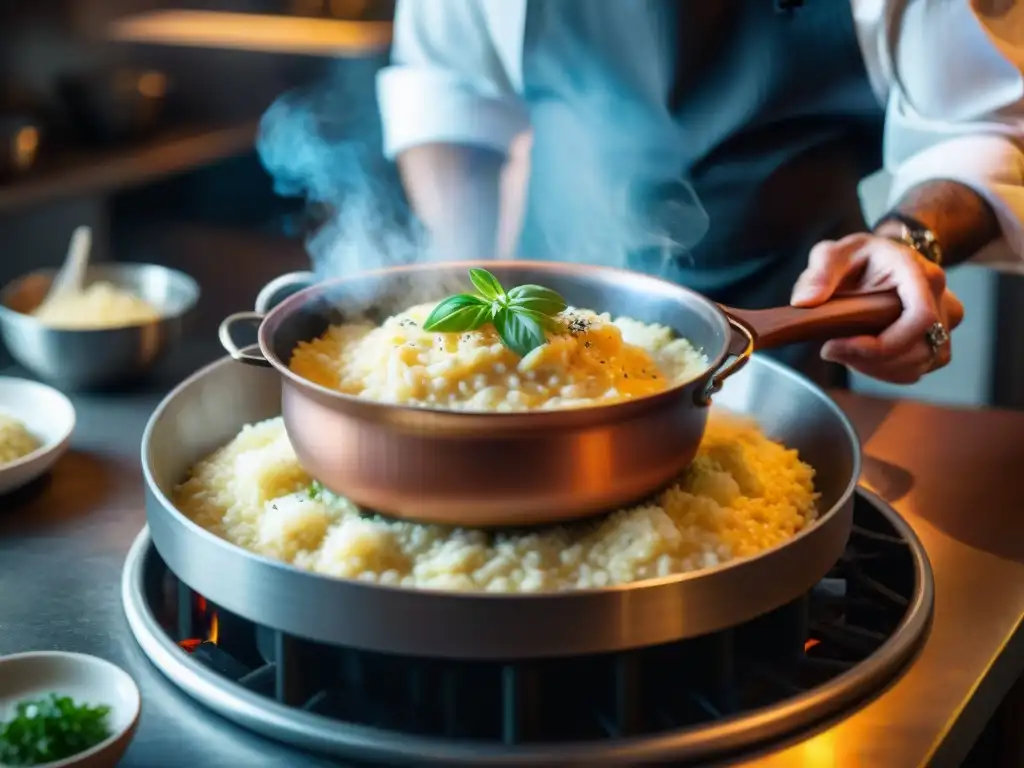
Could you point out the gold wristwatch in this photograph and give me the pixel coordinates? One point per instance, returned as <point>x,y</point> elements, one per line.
<point>912,233</point>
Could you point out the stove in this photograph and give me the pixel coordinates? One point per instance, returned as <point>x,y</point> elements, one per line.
<point>721,696</point>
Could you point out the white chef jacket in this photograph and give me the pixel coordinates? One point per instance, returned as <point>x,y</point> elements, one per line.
<point>950,73</point>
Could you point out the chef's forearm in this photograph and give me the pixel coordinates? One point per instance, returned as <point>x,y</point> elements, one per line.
<point>455,192</point>
<point>959,217</point>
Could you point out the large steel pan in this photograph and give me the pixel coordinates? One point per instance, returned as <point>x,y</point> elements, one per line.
<point>208,410</point>
<point>487,469</point>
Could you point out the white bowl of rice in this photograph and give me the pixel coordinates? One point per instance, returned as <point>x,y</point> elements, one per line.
<point>36,422</point>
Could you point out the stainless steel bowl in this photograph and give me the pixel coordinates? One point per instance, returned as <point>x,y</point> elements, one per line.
<point>209,409</point>
<point>96,358</point>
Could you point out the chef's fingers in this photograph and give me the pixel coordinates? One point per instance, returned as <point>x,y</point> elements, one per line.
<point>859,351</point>
<point>917,356</point>
<point>907,368</point>
<point>952,310</point>
<point>909,365</point>
<point>830,263</point>
<point>920,285</point>
<point>941,358</point>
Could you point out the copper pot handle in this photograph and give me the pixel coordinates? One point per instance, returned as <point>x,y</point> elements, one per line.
<point>842,317</point>
<point>250,355</point>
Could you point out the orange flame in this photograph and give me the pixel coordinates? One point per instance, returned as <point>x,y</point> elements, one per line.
<point>212,629</point>
<point>213,633</point>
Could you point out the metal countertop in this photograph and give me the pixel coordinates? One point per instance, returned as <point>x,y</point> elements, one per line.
<point>952,474</point>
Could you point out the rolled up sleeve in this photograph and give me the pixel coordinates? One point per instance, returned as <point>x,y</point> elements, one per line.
<point>446,83</point>
<point>956,107</point>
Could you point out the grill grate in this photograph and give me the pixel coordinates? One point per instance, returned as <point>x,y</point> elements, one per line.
<point>673,688</point>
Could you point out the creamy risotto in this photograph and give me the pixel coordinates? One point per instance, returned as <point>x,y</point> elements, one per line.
<point>16,441</point>
<point>100,305</point>
<point>595,361</point>
<point>742,494</point>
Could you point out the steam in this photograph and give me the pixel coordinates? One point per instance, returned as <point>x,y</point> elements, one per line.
<point>324,143</point>
<point>618,191</point>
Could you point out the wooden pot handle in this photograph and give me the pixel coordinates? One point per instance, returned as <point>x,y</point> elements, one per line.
<point>841,317</point>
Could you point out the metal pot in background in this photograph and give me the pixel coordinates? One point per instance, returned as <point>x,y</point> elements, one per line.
<point>117,105</point>
<point>97,358</point>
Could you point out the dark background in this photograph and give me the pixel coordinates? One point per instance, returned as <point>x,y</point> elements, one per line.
<point>194,195</point>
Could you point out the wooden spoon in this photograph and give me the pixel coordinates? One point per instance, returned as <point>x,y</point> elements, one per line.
<point>71,277</point>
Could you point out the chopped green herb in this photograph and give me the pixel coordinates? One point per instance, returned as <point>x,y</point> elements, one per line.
<point>520,316</point>
<point>51,729</point>
<point>317,492</point>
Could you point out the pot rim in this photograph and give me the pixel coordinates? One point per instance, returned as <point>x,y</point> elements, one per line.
<point>273,319</point>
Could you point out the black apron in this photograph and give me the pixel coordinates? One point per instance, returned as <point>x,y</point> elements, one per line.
<point>768,116</point>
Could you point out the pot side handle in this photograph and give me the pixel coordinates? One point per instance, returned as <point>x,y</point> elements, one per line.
<point>272,294</point>
<point>280,288</point>
<point>841,317</point>
<point>250,355</point>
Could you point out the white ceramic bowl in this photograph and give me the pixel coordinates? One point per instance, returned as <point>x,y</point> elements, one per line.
<point>48,415</point>
<point>87,680</point>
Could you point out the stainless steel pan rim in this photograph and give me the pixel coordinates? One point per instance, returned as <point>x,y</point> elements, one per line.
<point>311,731</point>
<point>647,583</point>
<point>435,623</point>
<point>198,530</point>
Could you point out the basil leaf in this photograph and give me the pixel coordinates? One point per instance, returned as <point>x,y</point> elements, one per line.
<point>486,283</point>
<point>537,298</point>
<point>462,312</point>
<point>548,323</point>
<point>519,332</point>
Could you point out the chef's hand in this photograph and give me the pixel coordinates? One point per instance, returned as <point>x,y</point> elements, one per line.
<point>901,354</point>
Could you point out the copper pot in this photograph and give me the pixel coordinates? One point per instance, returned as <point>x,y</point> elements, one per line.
<point>516,469</point>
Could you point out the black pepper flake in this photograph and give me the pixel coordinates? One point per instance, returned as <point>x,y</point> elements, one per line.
<point>577,325</point>
<point>586,344</point>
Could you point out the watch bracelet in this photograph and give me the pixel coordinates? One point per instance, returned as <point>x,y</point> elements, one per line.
<point>926,245</point>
